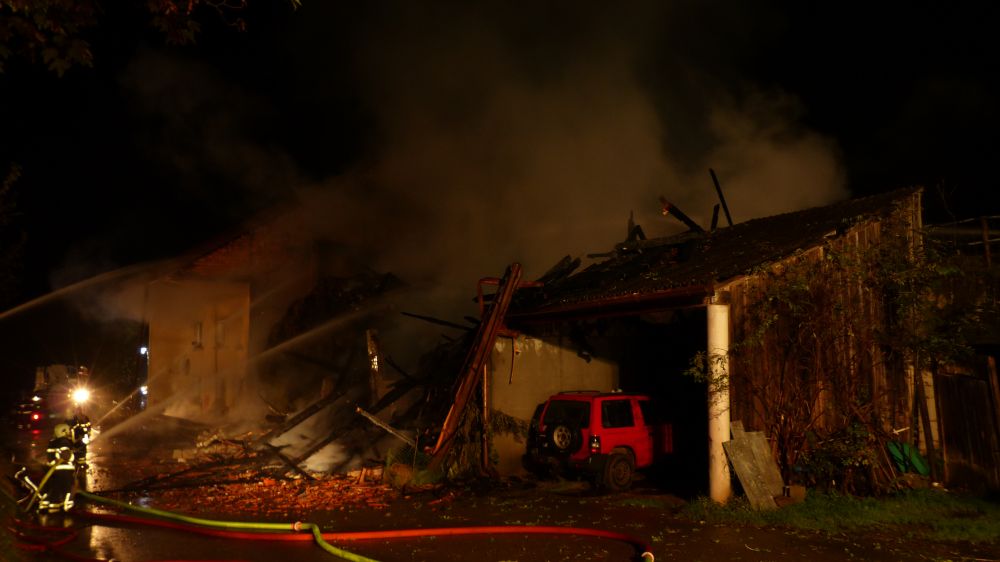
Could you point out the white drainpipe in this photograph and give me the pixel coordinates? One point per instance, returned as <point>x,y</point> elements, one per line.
<point>719,484</point>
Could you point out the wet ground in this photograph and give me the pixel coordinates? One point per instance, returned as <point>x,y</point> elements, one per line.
<point>341,504</point>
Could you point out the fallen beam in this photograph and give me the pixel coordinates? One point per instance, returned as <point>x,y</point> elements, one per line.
<point>294,465</point>
<point>300,417</point>
<point>395,432</point>
<point>398,390</point>
<point>437,321</point>
<point>486,336</point>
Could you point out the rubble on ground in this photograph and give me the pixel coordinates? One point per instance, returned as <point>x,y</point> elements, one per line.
<point>291,497</point>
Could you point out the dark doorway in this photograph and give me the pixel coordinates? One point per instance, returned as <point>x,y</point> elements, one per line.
<point>653,353</point>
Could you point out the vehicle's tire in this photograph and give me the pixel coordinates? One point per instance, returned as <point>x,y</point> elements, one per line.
<point>565,439</point>
<point>618,472</point>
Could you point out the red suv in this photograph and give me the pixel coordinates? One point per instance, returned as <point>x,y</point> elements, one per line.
<point>606,435</point>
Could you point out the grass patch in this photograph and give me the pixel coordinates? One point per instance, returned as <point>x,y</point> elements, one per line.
<point>928,514</point>
<point>644,502</point>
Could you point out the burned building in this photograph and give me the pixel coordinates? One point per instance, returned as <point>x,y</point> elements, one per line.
<point>803,325</point>
<point>257,321</point>
<point>779,322</point>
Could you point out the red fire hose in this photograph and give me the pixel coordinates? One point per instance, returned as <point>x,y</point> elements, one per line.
<point>266,531</point>
<point>262,531</point>
<point>348,536</point>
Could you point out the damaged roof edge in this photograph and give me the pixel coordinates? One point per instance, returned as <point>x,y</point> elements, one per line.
<point>624,305</point>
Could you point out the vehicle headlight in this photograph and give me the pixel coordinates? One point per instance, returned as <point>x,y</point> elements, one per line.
<point>81,395</point>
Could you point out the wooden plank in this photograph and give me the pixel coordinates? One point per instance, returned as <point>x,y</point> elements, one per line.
<point>291,463</point>
<point>741,456</point>
<point>736,427</point>
<point>764,459</point>
<point>392,430</point>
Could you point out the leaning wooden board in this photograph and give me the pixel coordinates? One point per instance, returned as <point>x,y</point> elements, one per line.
<point>741,455</point>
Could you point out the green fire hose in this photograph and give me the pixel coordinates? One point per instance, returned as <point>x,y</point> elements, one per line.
<point>235,525</point>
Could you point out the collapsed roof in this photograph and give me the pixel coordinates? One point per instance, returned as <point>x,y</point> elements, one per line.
<point>682,270</point>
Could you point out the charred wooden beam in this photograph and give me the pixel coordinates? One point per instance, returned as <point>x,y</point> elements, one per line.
<point>634,231</point>
<point>393,431</point>
<point>392,363</point>
<point>437,321</point>
<point>294,465</point>
<point>671,209</point>
<point>300,417</point>
<point>560,270</point>
<point>397,392</point>
<point>722,198</point>
<point>475,360</point>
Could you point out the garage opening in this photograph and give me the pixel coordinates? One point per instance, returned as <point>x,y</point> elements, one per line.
<point>646,353</point>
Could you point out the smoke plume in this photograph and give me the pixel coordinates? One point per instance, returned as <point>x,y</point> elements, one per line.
<point>465,137</point>
<point>502,139</point>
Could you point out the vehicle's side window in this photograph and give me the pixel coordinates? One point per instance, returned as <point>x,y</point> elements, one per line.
<point>650,415</point>
<point>616,413</point>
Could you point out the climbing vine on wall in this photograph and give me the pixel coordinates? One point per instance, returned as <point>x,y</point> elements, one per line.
<point>827,344</point>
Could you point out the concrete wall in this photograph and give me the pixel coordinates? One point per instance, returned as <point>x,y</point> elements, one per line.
<point>525,371</point>
<point>198,336</point>
<point>209,323</point>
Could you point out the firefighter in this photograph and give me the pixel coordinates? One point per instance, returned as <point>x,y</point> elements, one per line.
<point>80,428</point>
<point>55,491</point>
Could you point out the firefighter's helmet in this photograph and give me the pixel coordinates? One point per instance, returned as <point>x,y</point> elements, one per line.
<point>61,430</point>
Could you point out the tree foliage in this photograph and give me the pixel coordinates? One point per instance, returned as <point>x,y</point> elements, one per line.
<point>49,32</point>
<point>56,33</point>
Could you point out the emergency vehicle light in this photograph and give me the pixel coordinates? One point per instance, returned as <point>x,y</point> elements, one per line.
<point>81,395</point>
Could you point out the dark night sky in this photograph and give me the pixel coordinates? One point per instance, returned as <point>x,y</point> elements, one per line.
<point>413,116</point>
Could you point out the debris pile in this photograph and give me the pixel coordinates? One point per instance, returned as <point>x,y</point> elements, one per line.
<point>213,446</point>
<point>337,402</point>
<point>251,493</point>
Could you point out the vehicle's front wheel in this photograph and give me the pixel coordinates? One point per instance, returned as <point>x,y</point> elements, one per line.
<point>618,472</point>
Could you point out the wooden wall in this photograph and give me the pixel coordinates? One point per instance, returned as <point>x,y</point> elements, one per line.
<point>826,366</point>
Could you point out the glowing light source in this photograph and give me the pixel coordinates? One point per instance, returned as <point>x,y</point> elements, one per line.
<point>144,390</point>
<point>36,398</point>
<point>36,416</point>
<point>143,350</point>
<point>81,395</point>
